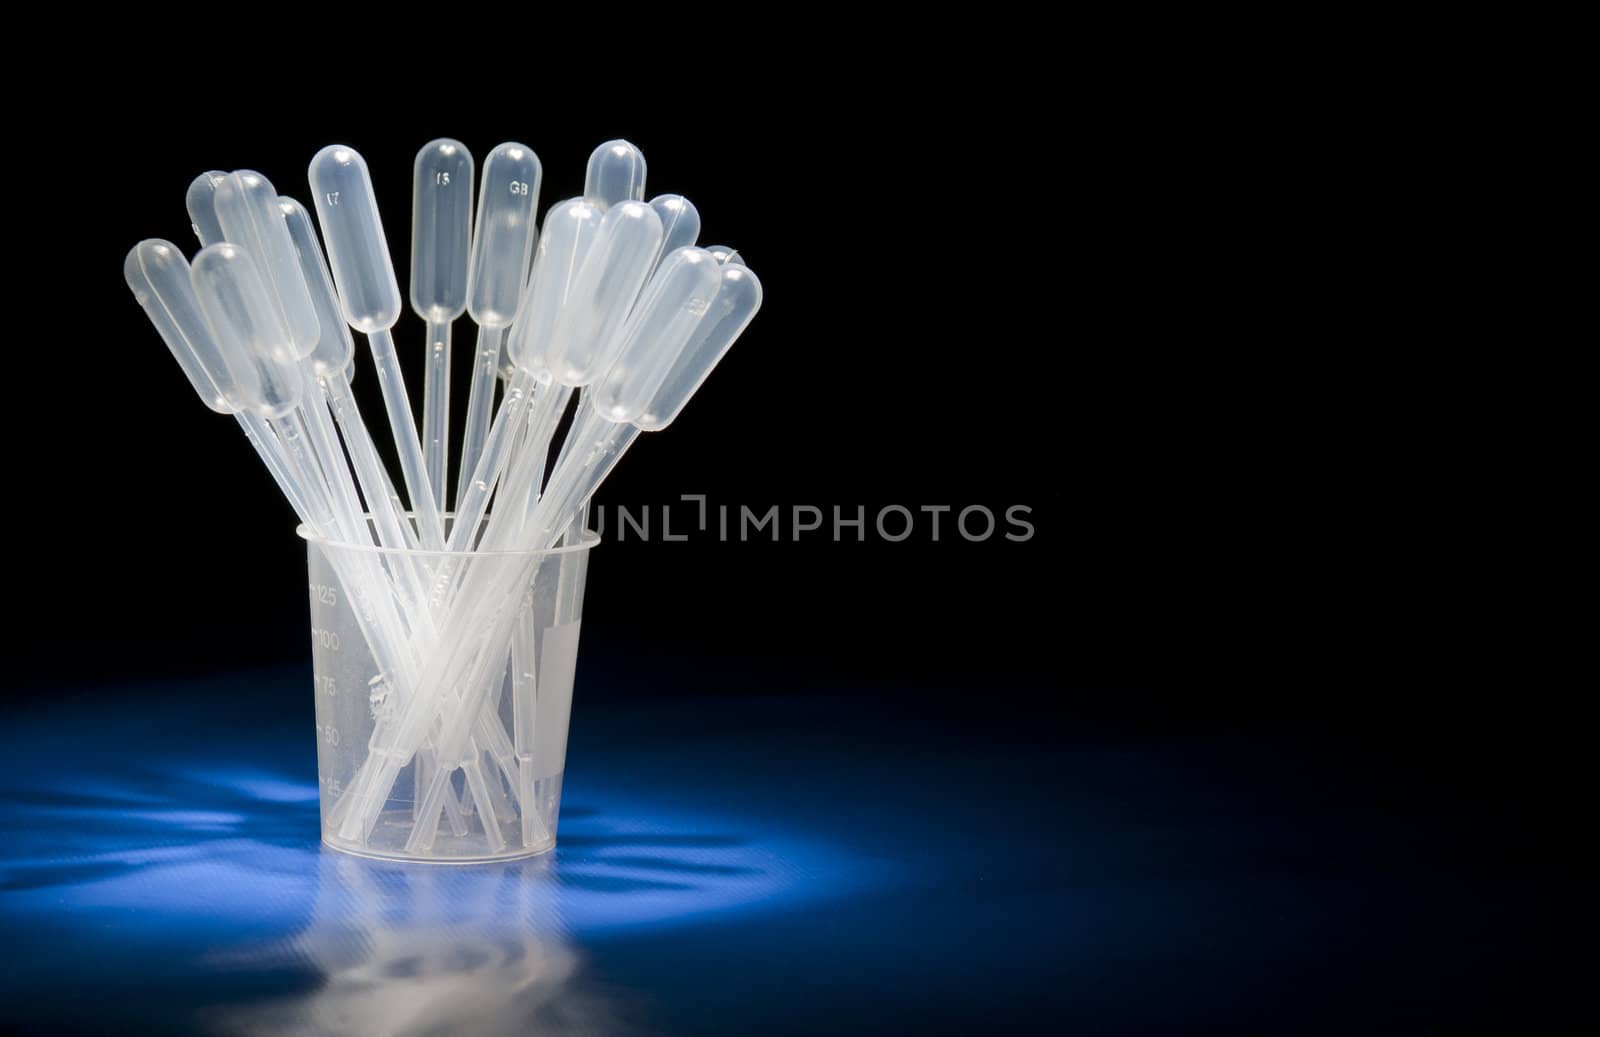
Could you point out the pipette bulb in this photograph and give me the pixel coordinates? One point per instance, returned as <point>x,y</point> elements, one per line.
<point>737,300</point>
<point>725,255</point>
<point>504,234</point>
<point>605,290</point>
<point>358,252</point>
<point>674,303</point>
<point>615,174</point>
<point>680,222</point>
<point>335,350</point>
<point>202,207</point>
<point>247,209</point>
<point>441,229</point>
<point>247,326</point>
<point>569,232</point>
<point>158,275</point>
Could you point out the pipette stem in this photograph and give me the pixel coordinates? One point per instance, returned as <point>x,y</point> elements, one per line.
<point>480,403</point>
<point>577,416</point>
<point>527,469</point>
<point>598,445</point>
<point>303,469</point>
<point>270,450</point>
<point>436,409</point>
<point>422,622</point>
<point>524,712</point>
<point>265,442</point>
<point>408,525</point>
<point>595,448</point>
<point>388,517</point>
<point>536,451</point>
<point>496,449</point>
<point>384,504</point>
<point>404,426</point>
<point>324,441</point>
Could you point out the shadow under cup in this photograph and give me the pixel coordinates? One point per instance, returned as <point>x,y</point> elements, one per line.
<point>443,690</point>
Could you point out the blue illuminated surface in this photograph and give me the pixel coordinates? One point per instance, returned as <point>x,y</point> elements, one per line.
<point>774,864</point>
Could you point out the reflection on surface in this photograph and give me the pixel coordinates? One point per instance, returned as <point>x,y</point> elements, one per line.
<point>410,950</point>
<point>185,871</point>
<point>730,867</point>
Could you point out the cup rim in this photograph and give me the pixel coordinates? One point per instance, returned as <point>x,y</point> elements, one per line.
<point>588,540</point>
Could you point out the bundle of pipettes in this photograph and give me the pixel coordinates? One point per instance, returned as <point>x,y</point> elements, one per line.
<point>604,321</point>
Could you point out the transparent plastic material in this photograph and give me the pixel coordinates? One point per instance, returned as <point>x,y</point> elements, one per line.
<point>674,303</point>
<point>358,252</point>
<point>441,249</point>
<point>517,764</point>
<point>569,232</point>
<point>441,230</point>
<point>615,174</point>
<point>502,241</point>
<point>335,348</point>
<point>726,254</point>
<point>614,271</point>
<point>247,326</point>
<point>444,677</point>
<point>502,250</point>
<point>201,203</point>
<point>158,276</point>
<point>680,222</point>
<point>736,302</point>
<point>247,209</point>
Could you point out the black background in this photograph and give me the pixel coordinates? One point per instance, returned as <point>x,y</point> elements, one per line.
<point>914,348</point>
<point>959,311</point>
<point>1131,311</point>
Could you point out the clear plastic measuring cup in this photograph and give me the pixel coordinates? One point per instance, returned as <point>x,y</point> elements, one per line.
<point>522,742</point>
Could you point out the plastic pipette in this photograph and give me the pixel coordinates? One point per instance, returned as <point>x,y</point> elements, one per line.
<point>568,234</point>
<point>571,326</point>
<point>228,380</point>
<point>570,229</point>
<point>158,275</point>
<point>737,299</point>
<point>240,207</point>
<point>241,315</point>
<point>678,300</point>
<point>601,258</point>
<point>680,223</point>
<point>605,443</point>
<point>502,248</point>
<point>202,209</point>
<point>736,303</point>
<point>245,325</point>
<point>369,297</point>
<point>441,245</point>
<point>672,306</point>
<point>203,216</point>
<point>564,242</point>
<point>596,302</point>
<point>247,211</point>
<point>445,659</point>
<point>330,364</point>
<point>615,173</point>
